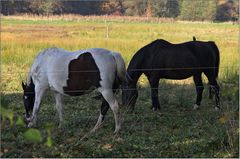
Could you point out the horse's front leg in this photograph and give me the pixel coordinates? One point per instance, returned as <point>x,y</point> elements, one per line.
<point>113,103</point>
<point>103,112</point>
<point>154,83</point>
<point>38,97</point>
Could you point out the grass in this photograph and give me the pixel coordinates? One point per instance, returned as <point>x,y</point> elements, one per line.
<point>177,131</point>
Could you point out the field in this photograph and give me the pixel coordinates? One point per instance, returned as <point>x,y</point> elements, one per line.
<point>175,131</point>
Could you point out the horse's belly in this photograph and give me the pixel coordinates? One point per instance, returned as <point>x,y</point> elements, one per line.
<point>176,74</point>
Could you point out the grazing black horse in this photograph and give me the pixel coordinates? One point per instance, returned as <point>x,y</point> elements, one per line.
<point>162,59</point>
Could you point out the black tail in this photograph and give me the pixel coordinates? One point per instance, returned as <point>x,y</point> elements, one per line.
<point>194,38</point>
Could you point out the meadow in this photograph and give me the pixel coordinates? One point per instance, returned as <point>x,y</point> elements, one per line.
<point>175,131</point>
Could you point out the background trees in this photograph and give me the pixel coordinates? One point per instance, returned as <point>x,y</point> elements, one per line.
<point>45,7</point>
<point>227,10</point>
<point>200,10</point>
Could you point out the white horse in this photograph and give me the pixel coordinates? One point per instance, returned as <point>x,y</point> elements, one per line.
<point>74,73</point>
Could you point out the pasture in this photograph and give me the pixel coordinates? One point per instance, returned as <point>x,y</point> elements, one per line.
<point>175,131</point>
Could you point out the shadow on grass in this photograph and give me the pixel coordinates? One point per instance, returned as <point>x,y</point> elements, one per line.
<point>178,131</point>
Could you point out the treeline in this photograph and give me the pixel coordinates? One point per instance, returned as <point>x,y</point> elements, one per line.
<point>195,10</point>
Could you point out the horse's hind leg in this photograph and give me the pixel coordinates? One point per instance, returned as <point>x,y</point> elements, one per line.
<point>112,101</point>
<point>199,89</point>
<point>210,91</point>
<point>59,107</point>
<point>154,83</point>
<point>214,87</point>
<point>103,112</point>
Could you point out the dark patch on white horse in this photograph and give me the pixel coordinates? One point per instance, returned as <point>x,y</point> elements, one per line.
<point>83,74</point>
<point>28,97</point>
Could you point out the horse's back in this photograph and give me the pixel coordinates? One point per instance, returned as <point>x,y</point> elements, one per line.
<point>179,61</point>
<point>194,53</point>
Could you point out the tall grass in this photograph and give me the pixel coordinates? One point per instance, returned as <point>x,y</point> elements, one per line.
<point>22,39</point>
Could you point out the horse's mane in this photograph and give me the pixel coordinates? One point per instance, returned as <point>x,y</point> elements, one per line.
<point>140,54</point>
<point>35,66</point>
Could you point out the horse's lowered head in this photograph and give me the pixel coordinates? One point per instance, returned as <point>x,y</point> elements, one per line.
<point>28,98</point>
<point>129,93</point>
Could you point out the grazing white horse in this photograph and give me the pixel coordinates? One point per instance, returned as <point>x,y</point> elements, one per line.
<point>74,74</point>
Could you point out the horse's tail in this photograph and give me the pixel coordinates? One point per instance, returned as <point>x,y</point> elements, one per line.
<point>217,60</point>
<point>29,78</point>
<point>121,68</point>
<point>194,38</point>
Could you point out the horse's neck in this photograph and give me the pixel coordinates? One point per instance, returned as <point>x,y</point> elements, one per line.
<point>135,66</point>
<point>134,74</point>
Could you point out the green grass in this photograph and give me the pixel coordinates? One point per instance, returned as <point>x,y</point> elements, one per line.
<point>177,132</point>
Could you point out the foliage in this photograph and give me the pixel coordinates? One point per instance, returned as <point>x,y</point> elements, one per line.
<point>45,7</point>
<point>195,10</point>
<point>198,10</point>
<point>83,7</point>
<point>134,8</point>
<point>157,8</point>
<point>114,7</point>
<point>228,10</point>
<point>33,135</point>
<point>166,8</point>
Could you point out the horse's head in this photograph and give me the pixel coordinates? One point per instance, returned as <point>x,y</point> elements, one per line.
<point>129,93</point>
<point>28,98</point>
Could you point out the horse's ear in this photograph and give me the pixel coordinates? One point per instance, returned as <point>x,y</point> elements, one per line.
<point>23,85</point>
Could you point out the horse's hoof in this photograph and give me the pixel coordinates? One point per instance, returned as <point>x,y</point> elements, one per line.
<point>217,108</point>
<point>155,108</point>
<point>195,107</point>
<point>30,124</point>
<point>60,126</point>
<point>96,127</point>
<point>117,130</point>
<point>93,130</point>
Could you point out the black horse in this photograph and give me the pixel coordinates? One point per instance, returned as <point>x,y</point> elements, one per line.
<point>162,59</point>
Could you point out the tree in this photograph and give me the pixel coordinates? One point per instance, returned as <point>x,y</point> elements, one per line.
<point>112,7</point>
<point>198,10</point>
<point>211,10</point>
<point>227,10</point>
<point>166,8</point>
<point>82,7</point>
<point>135,8</point>
<point>45,7</point>
<point>172,8</point>
<point>149,9</point>
<point>13,7</point>
<point>159,8</point>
